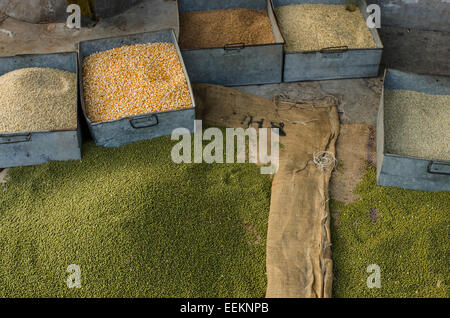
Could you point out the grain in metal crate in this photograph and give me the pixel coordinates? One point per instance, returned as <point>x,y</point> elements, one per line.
<point>331,62</point>
<point>235,63</point>
<point>140,127</point>
<point>406,171</point>
<point>36,147</point>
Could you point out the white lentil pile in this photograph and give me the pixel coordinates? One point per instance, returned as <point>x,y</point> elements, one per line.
<point>38,99</point>
<point>310,27</point>
<point>133,80</point>
<point>417,124</point>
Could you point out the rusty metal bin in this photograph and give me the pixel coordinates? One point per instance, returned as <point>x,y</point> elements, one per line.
<point>36,147</point>
<point>406,171</point>
<point>232,64</point>
<point>331,63</point>
<point>134,128</point>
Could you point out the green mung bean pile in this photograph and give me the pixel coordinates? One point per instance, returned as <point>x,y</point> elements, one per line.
<point>417,124</point>
<point>309,27</point>
<point>137,224</point>
<point>38,99</point>
<point>405,232</point>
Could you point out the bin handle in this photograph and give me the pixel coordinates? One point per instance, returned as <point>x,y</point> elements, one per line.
<point>234,46</point>
<point>144,122</point>
<point>12,138</point>
<point>335,49</point>
<point>432,170</point>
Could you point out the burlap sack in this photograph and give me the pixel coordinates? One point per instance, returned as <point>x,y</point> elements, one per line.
<point>298,241</point>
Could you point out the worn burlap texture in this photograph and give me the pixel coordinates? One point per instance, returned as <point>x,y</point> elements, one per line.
<point>298,257</point>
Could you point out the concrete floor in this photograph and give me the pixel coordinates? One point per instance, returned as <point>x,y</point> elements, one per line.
<point>19,37</point>
<point>358,99</point>
<point>414,51</point>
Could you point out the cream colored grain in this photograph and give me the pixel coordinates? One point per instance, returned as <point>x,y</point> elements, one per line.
<point>310,27</point>
<point>38,99</point>
<point>417,124</point>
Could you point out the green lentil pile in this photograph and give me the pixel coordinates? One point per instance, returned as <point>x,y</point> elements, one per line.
<point>310,27</point>
<point>137,224</point>
<point>417,124</point>
<point>38,99</point>
<point>405,232</point>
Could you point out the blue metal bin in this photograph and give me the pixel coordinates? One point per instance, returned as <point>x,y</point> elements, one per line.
<point>405,171</point>
<point>232,64</point>
<point>130,129</point>
<point>332,63</point>
<point>37,147</point>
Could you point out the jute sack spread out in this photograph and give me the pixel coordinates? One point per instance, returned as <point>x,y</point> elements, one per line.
<point>298,257</point>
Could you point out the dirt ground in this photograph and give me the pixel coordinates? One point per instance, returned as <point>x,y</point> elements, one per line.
<point>355,149</point>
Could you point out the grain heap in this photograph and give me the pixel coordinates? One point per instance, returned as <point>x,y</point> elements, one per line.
<point>215,28</point>
<point>38,99</point>
<point>134,80</point>
<point>310,27</point>
<point>417,124</point>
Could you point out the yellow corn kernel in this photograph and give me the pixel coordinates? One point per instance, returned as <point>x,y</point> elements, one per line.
<point>134,80</point>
